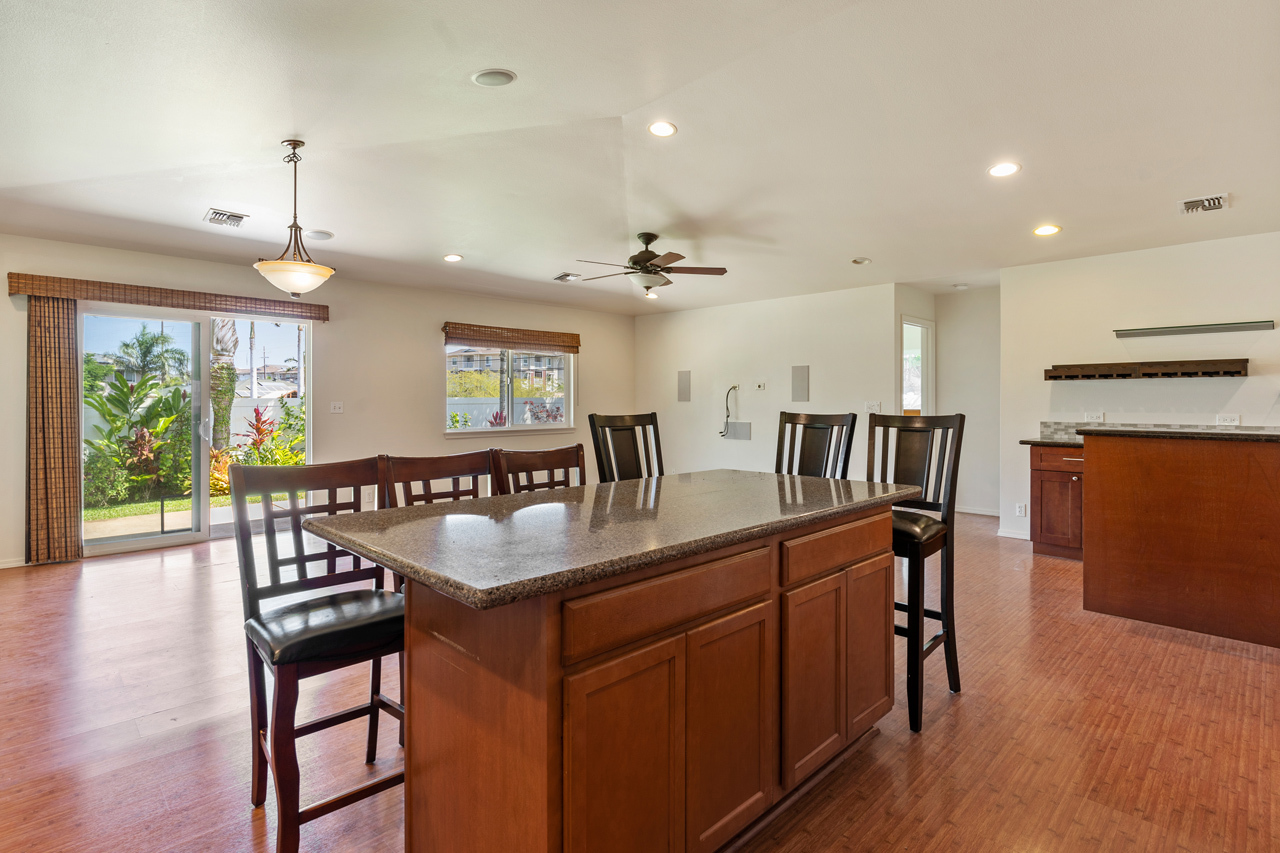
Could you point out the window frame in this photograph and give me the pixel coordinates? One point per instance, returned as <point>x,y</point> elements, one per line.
<point>506,367</point>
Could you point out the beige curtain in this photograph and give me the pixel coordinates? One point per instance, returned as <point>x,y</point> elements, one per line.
<point>53,432</point>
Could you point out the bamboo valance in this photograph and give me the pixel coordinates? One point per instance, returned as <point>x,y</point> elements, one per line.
<point>162,297</point>
<point>465,334</point>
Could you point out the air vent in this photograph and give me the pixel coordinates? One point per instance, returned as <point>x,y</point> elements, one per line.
<point>567,276</point>
<point>1209,202</point>
<point>224,217</point>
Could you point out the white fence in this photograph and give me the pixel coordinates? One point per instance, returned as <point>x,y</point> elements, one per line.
<point>241,416</point>
<point>481,408</point>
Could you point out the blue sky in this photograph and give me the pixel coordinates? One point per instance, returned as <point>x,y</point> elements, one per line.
<point>104,335</point>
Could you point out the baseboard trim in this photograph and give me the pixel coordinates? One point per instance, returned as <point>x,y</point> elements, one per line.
<point>12,564</point>
<point>1014,534</point>
<point>973,510</point>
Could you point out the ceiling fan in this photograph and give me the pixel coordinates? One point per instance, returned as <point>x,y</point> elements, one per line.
<point>649,269</point>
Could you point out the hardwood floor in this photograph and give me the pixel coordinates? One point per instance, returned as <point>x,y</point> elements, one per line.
<point>124,724</point>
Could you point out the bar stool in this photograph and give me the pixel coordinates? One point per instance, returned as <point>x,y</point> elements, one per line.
<point>925,452</point>
<point>517,471</point>
<point>815,445</point>
<point>618,441</point>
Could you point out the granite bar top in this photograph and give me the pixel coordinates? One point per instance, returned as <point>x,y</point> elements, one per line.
<point>1039,442</point>
<point>498,550</point>
<point>1197,434</point>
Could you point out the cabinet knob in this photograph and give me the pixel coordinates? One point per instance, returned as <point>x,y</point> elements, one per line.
<point>1075,478</point>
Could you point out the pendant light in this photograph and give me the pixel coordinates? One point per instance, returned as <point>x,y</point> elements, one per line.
<point>294,272</point>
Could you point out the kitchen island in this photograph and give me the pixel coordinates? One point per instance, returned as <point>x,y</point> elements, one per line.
<point>1182,528</point>
<point>657,664</point>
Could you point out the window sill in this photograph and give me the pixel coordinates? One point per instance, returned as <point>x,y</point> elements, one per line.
<point>479,433</point>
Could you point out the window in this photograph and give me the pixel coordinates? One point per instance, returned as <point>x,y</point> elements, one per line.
<point>507,392</point>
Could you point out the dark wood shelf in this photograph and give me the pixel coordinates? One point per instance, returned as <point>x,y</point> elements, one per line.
<point>1150,369</point>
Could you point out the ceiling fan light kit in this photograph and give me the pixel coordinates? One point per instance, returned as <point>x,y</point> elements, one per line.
<point>294,272</point>
<point>649,269</point>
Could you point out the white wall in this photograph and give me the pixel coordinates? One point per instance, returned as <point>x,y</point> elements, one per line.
<point>1065,312</point>
<point>381,354</point>
<point>846,337</point>
<point>968,357</point>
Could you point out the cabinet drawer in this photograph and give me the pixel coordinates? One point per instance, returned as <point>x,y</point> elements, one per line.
<point>1057,459</point>
<point>818,552</point>
<point>606,620</point>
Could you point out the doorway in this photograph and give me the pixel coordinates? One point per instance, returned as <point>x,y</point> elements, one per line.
<point>917,397</point>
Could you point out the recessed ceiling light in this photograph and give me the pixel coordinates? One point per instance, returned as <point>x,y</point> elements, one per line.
<point>861,261</point>
<point>453,259</point>
<point>662,128</point>
<point>493,77</point>
<point>318,235</point>
<point>1004,170</point>
<point>1047,230</point>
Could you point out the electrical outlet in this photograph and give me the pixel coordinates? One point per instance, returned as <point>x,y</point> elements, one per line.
<point>1228,420</point>
<point>335,408</point>
<point>873,407</point>
<point>368,494</point>
<point>1095,417</point>
<point>759,386</point>
<point>1020,510</point>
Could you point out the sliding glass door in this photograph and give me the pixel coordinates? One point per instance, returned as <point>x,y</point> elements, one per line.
<point>171,400</point>
<point>143,471</point>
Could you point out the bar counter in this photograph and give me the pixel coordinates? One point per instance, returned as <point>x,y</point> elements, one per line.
<point>1182,528</point>
<point>658,664</point>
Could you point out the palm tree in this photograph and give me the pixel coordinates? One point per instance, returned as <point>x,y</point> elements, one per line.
<point>154,353</point>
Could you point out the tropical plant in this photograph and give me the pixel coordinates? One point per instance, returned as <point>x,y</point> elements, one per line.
<point>498,419</point>
<point>541,413</point>
<point>139,419</point>
<point>153,352</point>
<point>220,460</point>
<point>105,482</point>
<point>459,420</point>
<point>266,445</point>
<point>293,423</point>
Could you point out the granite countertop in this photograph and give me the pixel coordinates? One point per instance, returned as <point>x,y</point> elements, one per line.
<point>1039,442</point>
<point>1194,434</point>
<point>494,551</point>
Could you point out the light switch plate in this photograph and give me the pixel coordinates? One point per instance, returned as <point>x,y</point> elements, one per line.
<point>873,407</point>
<point>368,494</point>
<point>1095,417</point>
<point>1228,420</point>
<point>759,386</point>
<point>335,408</point>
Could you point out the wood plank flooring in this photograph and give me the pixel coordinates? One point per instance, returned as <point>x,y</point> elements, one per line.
<point>124,725</point>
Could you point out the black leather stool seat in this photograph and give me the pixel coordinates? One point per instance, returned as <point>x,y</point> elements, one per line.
<point>915,527</point>
<point>331,626</point>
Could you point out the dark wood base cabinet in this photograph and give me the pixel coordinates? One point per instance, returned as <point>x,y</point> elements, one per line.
<point>668,710</point>
<point>1057,502</point>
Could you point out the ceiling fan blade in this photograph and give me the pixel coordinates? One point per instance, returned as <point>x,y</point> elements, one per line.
<point>665,281</point>
<point>668,258</point>
<point>697,270</point>
<point>601,263</point>
<point>610,275</point>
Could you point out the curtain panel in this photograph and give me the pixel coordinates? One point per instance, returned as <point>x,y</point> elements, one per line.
<point>53,432</point>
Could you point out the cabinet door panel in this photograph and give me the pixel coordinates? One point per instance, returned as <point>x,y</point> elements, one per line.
<point>730,741</point>
<point>1057,499</point>
<point>624,753</point>
<point>870,625</point>
<point>814,677</point>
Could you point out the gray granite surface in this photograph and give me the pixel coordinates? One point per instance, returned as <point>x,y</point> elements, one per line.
<point>1037,442</point>
<point>1201,435</point>
<point>495,551</point>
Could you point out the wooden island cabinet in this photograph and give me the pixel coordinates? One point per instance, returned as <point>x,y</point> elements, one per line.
<point>670,703</point>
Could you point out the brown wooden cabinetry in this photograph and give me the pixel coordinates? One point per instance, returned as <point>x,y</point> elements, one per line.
<point>1057,501</point>
<point>815,725</point>
<point>869,623</point>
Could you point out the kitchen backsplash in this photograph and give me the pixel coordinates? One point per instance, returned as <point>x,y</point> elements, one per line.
<point>1066,430</point>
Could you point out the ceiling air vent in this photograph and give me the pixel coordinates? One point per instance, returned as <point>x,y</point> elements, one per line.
<point>567,276</point>
<point>224,217</point>
<point>1209,202</point>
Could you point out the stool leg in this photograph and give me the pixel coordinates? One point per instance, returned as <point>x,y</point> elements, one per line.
<point>258,723</point>
<point>284,758</point>
<point>402,699</point>
<point>915,638</point>
<point>949,617</point>
<point>375,687</point>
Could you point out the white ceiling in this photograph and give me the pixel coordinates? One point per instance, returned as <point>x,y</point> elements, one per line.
<point>811,132</point>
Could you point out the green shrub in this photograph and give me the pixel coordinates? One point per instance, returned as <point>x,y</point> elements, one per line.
<point>105,482</point>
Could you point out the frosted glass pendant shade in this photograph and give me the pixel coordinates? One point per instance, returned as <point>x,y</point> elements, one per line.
<point>294,277</point>
<point>646,279</point>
